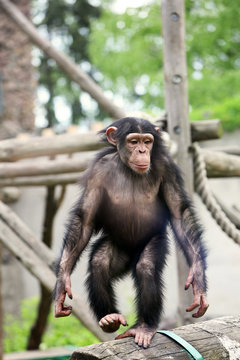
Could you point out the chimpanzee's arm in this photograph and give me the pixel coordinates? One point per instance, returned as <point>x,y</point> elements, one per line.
<point>76,238</point>
<point>188,234</point>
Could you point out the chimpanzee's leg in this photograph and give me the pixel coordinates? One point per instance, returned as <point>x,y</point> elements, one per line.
<point>106,265</point>
<point>149,284</point>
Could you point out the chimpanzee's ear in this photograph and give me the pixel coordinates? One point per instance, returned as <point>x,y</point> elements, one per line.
<point>157,129</point>
<point>110,135</point>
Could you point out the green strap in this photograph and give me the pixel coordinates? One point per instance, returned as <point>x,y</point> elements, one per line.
<point>188,347</point>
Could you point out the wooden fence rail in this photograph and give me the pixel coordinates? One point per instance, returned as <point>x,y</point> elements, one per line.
<point>16,149</point>
<point>68,171</point>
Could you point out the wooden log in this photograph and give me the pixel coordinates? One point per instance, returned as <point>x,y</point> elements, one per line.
<point>38,268</point>
<point>46,167</point>
<point>214,339</point>
<point>25,234</point>
<point>16,149</point>
<point>48,180</point>
<point>219,164</point>
<point>206,130</point>
<point>233,150</point>
<point>64,62</point>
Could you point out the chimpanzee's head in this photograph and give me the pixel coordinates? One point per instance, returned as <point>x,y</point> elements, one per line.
<point>135,140</point>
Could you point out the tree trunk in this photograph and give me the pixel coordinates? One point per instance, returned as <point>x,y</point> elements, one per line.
<point>64,62</point>
<point>44,307</point>
<point>17,81</point>
<point>215,339</point>
<point>38,329</point>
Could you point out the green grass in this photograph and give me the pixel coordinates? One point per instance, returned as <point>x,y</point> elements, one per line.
<point>60,332</point>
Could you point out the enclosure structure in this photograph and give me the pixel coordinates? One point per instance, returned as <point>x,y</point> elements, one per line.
<point>37,258</point>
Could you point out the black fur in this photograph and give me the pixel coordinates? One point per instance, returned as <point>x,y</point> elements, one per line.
<point>133,234</point>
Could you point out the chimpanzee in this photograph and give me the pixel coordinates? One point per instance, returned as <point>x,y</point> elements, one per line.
<point>131,192</point>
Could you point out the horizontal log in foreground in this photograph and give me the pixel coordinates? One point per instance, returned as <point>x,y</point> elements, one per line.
<point>48,180</point>
<point>216,339</point>
<point>16,149</point>
<point>46,167</point>
<point>68,171</point>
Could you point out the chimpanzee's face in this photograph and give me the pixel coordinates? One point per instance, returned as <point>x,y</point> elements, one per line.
<point>139,147</point>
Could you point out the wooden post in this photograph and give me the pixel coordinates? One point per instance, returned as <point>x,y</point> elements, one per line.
<point>176,104</point>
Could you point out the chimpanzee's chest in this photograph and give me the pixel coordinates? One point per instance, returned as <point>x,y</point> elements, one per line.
<point>132,211</point>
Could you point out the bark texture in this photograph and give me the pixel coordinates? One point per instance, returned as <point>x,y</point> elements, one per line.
<point>215,340</point>
<point>17,82</point>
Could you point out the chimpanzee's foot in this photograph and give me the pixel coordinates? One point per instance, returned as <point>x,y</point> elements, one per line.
<point>143,334</point>
<point>112,322</point>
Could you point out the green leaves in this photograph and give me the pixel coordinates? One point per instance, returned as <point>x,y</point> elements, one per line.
<point>60,332</point>
<point>127,49</point>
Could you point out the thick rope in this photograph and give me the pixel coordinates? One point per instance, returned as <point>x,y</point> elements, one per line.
<point>203,189</point>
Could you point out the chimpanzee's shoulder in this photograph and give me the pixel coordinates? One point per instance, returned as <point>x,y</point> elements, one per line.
<point>102,163</point>
<point>104,157</point>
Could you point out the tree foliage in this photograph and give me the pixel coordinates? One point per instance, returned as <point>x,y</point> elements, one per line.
<point>67,24</point>
<point>123,52</point>
<point>127,48</point>
<point>17,330</point>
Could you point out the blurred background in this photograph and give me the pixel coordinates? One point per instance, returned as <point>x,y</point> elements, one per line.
<point>119,45</point>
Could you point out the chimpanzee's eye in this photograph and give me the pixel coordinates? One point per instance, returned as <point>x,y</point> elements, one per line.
<point>133,141</point>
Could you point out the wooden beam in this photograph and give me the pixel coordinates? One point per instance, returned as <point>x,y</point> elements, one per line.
<point>220,164</point>
<point>16,149</point>
<point>214,339</point>
<point>176,105</point>
<point>46,167</point>
<point>175,84</point>
<point>64,62</point>
<point>29,258</point>
<point>206,130</point>
<point>233,150</point>
<point>8,216</point>
<point>47,180</point>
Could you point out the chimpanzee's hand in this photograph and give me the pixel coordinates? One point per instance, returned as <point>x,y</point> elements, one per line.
<point>62,288</point>
<point>200,297</point>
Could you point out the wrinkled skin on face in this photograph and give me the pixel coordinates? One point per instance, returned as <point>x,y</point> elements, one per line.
<point>139,147</point>
<point>137,151</point>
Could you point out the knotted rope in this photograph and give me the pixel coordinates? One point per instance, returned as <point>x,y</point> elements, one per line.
<point>203,189</point>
